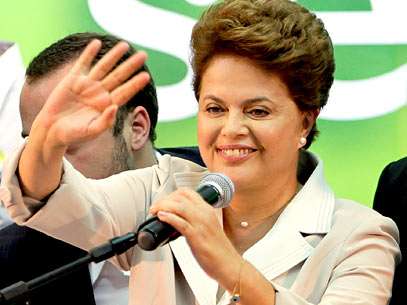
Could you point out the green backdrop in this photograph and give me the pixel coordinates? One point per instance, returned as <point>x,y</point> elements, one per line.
<point>370,132</point>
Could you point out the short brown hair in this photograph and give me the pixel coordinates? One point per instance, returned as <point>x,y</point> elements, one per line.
<point>280,35</point>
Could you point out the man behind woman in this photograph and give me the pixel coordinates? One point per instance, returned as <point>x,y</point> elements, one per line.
<point>262,72</point>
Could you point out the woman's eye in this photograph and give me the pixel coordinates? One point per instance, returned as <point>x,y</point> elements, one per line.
<point>214,109</point>
<point>258,112</point>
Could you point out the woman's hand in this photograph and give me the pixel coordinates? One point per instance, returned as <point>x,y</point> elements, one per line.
<point>197,221</point>
<point>80,108</point>
<point>84,103</point>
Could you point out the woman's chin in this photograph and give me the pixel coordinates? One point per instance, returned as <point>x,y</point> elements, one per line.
<point>240,180</point>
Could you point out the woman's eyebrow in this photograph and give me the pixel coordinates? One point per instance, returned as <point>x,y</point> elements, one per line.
<point>257,99</point>
<point>213,97</point>
<point>246,101</point>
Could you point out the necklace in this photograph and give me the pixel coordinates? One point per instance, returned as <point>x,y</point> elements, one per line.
<point>273,218</point>
<point>245,224</point>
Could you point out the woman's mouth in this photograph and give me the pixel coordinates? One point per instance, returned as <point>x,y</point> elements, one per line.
<point>235,154</point>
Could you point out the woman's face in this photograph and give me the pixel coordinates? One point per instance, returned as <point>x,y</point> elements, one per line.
<point>249,127</point>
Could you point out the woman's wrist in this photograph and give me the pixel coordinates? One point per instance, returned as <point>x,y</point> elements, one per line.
<point>231,272</point>
<point>237,289</point>
<point>41,157</point>
<point>44,137</point>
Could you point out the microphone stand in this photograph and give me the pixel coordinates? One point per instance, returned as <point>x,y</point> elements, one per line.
<point>20,291</point>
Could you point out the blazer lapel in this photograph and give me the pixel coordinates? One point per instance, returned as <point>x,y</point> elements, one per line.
<point>309,212</point>
<point>280,250</point>
<point>203,287</point>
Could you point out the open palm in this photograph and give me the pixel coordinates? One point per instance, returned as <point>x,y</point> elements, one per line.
<point>85,102</point>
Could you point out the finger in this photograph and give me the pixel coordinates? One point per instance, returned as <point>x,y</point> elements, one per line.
<point>177,222</point>
<point>191,195</point>
<point>83,86</point>
<point>104,121</point>
<point>178,201</point>
<point>172,205</point>
<point>122,73</point>
<point>84,61</point>
<point>126,91</point>
<point>108,61</point>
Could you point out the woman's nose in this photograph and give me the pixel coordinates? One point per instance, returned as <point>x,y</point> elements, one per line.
<point>234,125</point>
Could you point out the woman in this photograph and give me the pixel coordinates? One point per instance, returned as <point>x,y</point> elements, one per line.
<point>263,70</point>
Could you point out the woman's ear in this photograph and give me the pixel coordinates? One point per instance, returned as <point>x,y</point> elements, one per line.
<point>140,125</point>
<point>309,119</point>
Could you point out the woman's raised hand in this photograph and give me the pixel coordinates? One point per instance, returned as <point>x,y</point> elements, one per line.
<point>81,107</point>
<point>85,102</point>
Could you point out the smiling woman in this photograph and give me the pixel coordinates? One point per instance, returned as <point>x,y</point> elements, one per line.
<point>243,111</point>
<point>262,72</point>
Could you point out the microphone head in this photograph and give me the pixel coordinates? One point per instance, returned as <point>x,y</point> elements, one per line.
<point>223,185</point>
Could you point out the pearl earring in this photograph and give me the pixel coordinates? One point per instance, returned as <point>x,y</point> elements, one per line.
<point>303,141</point>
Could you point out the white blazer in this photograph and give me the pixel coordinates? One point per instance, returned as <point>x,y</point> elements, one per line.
<point>321,250</point>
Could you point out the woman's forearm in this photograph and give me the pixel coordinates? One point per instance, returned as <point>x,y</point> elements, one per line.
<point>40,165</point>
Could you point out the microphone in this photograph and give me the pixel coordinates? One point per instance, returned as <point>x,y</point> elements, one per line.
<point>216,189</point>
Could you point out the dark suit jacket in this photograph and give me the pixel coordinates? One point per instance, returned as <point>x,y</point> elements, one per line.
<point>390,200</point>
<point>26,254</point>
<point>190,153</point>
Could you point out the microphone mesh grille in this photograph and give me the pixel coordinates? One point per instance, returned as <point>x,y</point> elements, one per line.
<point>224,186</point>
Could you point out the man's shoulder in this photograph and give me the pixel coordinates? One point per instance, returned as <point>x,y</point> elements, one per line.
<point>391,195</point>
<point>397,169</point>
<point>26,254</point>
<point>15,239</point>
<point>190,153</point>
<point>13,234</point>
<point>393,178</point>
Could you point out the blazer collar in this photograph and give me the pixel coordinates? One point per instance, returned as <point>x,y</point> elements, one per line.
<point>309,212</point>
<point>283,247</point>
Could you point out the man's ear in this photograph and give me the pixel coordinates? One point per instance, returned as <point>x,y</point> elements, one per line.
<point>140,125</point>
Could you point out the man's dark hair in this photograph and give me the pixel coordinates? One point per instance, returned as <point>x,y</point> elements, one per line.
<point>70,47</point>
